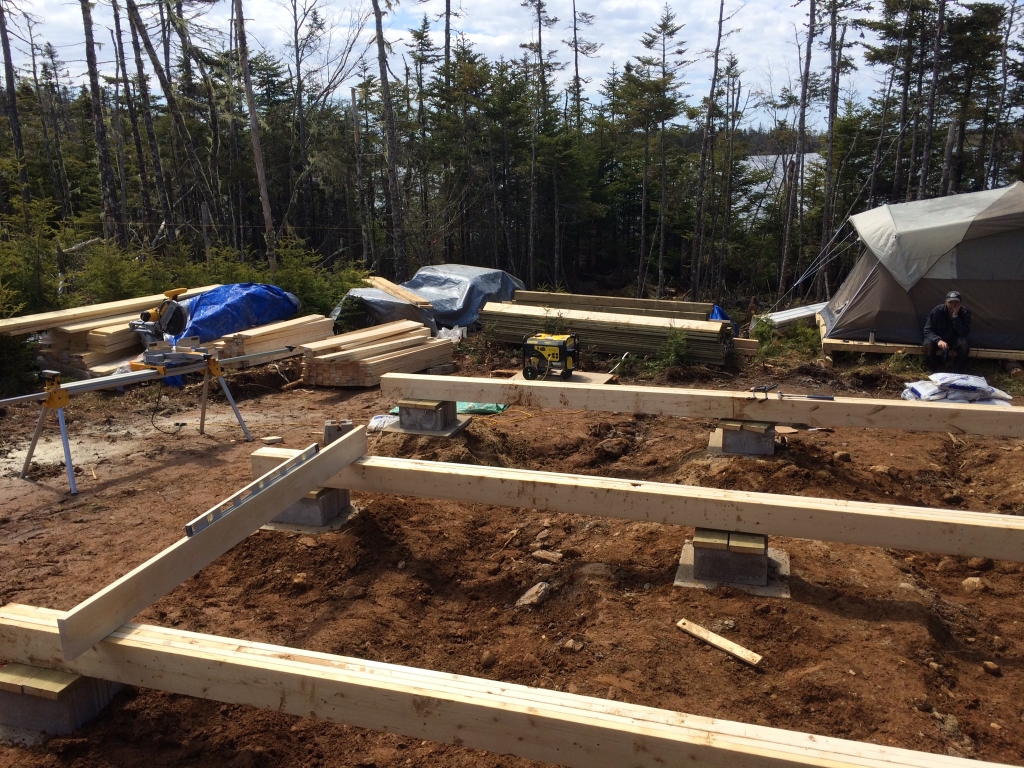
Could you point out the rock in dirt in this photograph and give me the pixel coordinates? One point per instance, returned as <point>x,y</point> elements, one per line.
<point>992,668</point>
<point>975,584</point>
<point>488,659</point>
<point>354,592</point>
<point>763,609</point>
<point>923,705</point>
<point>613,448</point>
<point>842,456</point>
<point>547,556</point>
<point>573,645</point>
<point>980,564</point>
<point>1000,643</point>
<point>946,564</point>
<point>880,469</point>
<point>308,541</point>
<point>535,595</point>
<point>595,572</point>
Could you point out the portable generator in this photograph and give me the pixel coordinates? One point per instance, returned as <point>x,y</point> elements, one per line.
<point>547,352</point>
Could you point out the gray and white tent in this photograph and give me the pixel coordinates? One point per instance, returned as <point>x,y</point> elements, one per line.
<point>914,253</point>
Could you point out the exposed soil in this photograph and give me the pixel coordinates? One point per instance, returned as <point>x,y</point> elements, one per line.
<point>875,645</point>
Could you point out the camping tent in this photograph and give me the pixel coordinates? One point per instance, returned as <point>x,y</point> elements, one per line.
<point>914,253</point>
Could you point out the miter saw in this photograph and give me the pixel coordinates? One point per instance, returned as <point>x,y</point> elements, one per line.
<point>169,318</point>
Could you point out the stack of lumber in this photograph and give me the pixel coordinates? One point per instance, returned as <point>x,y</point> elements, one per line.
<point>360,358</point>
<point>267,338</point>
<point>708,341</point>
<point>398,292</point>
<point>85,340</point>
<point>619,305</point>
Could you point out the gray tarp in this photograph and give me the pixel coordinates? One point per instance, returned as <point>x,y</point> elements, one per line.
<point>457,291</point>
<point>383,308</point>
<point>916,252</point>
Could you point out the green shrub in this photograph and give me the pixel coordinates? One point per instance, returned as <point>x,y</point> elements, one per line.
<point>675,351</point>
<point>803,338</point>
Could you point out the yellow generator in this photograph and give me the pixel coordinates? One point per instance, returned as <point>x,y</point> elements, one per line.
<point>546,352</point>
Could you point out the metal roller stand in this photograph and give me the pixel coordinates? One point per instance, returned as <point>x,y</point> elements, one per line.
<point>56,399</point>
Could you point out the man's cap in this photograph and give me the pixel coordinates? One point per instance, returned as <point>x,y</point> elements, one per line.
<point>953,296</point>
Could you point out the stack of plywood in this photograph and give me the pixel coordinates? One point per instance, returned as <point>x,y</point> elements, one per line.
<point>618,305</point>
<point>275,336</point>
<point>708,341</point>
<point>360,358</point>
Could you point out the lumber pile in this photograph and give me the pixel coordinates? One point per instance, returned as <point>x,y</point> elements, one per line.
<point>619,305</point>
<point>708,341</point>
<point>360,358</point>
<point>87,340</point>
<point>274,336</point>
<point>398,292</point>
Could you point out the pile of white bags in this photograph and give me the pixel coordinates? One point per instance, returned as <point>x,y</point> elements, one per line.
<point>956,388</point>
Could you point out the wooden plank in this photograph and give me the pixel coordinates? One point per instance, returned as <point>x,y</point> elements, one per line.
<point>924,529</point>
<point>505,718</point>
<point>283,326</point>
<point>62,317</point>
<point>381,284</point>
<point>52,684</point>
<point>705,538</point>
<point>748,543</point>
<point>362,337</point>
<point>14,676</point>
<point>85,326</point>
<point>413,339</point>
<point>568,299</point>
<point>719,642</point>
<point>573,315</point>
<point>884,348</point>
<point>101,614</point>
<point>968,419</point>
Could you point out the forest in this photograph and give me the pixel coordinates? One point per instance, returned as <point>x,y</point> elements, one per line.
<point>207,159</point>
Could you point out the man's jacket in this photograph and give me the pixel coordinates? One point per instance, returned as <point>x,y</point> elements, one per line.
<point>942,326</point>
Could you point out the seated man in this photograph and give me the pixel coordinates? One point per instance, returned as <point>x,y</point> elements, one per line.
<point>948,327</point>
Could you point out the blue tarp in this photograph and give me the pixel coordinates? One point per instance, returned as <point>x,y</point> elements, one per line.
<point>457,291</point>
<point>237,307</point>
<point>719,314</point>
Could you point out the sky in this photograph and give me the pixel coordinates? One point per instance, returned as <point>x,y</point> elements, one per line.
<point>762,34</point>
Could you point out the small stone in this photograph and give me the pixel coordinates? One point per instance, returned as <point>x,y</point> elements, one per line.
<point>543,535</point>
<point>992,668</point>
<point>572,688</point>
<point>923,705</point>
<point>354,592</point>
<point>946,564</point>
<point>842,456</point>
<point>934,667</point>
<point>573,645</point>
<point>763,609</point>
<point>612,448</point>
<point>613,693</point>
<point>299,578</point>
<point>974,584</point>
<point>535,595</point>
<point>547,556</point>
<point>995,726</point>
<point>401,565</point>
<point>880,469</point>
<point>488,659</point>
<point>999,643</point>
<point>308,541</point>
<point>980,564</point>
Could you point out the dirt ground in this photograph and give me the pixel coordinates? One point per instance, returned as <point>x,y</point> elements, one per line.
<point>876,645</point>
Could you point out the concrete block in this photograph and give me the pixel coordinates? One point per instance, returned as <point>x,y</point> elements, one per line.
<point>743,441</point>
<point>60,716</point>
<point>744,562</point>
<point>318,508</point>
<point>335,429</point>
<point>432,415</point>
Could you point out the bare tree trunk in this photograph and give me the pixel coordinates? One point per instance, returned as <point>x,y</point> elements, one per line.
<point>875,165</point>
<point>204,211</point>
<point>391,135</point>
<point>697,246</point>
<point>254,130</point>
<point>122,163</point>
<point>991,173</point>
<point>787,238</point>
<point>897,177</point>
<point>357,144</point>
<point>172,104</point>
<point>133,119</point>
<point>922,186</point>
<point>12,107</point>
<point>643,215</point>
<point>154,148</point>
<point>836,51</point>
<point>944,184</point>
<point>108,189</point>
<point>58,188</point>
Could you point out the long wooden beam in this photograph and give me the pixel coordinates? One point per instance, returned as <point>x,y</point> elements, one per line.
<point>95,618</point>
<point>532,723</point>
<point>712,404</point>
<point>923,529</point>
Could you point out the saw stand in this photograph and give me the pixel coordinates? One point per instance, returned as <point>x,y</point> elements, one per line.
<point>56,399</point>
<point>213,369</point>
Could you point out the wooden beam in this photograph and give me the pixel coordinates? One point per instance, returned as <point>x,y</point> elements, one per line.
<point>95,618</point>
<point>505,718</point>
<point>46,320</point>
<point>923,529</point>
<point>963,418</point>
<point>719,642</point>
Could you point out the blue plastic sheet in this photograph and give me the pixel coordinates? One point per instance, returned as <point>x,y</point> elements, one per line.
<point>237,307</point>
<point>457,292</point>
<point>719,314</point>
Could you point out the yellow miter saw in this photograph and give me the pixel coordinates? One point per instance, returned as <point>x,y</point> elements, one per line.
<point>169,317</point>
